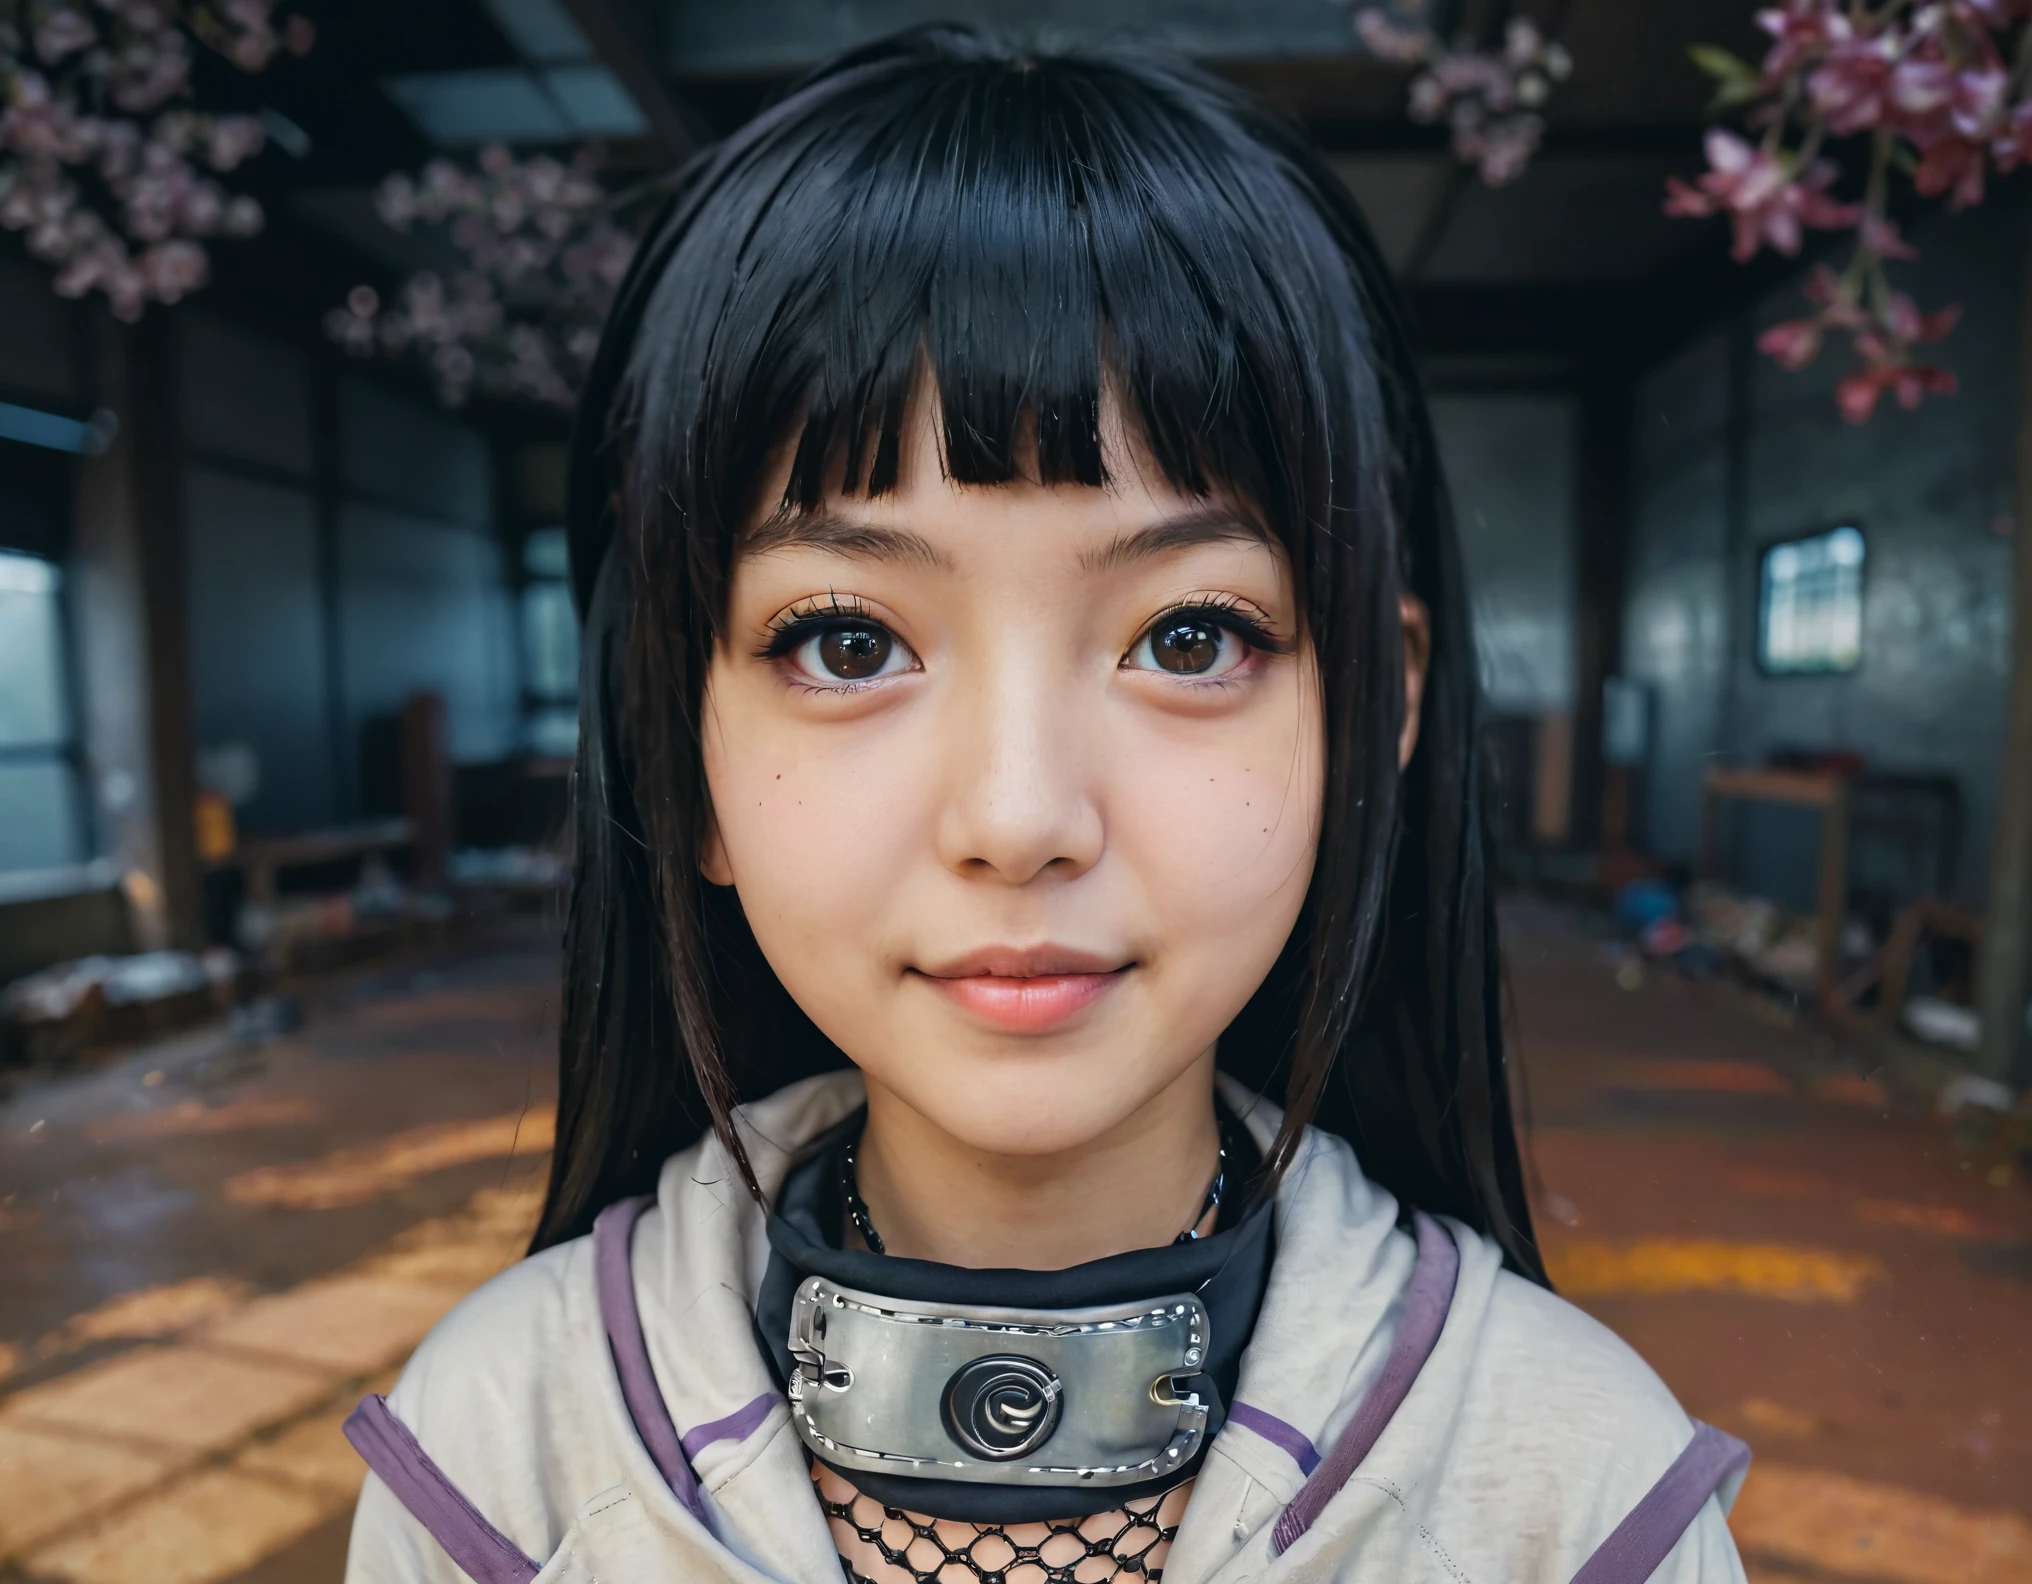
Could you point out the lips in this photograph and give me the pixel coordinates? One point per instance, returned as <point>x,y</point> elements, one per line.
<point>1026,991</point>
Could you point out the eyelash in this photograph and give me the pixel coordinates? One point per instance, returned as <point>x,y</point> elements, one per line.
<point>796,626</point>
<point>808,618</point>
<point>1221,610</point>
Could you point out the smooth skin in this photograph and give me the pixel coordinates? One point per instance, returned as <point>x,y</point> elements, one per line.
<point>1019,788</point>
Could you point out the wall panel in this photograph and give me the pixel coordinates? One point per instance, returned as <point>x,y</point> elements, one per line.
<point>425,604</point>
<point>1512,462</point>
<point>1932,492</point>
<point>257,642</point>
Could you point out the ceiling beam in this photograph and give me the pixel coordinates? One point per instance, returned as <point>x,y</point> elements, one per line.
<point>623,39</point>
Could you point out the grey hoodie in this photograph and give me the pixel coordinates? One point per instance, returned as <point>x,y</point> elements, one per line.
<point>1527,1436</point>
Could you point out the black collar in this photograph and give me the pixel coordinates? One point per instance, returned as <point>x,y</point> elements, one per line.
<point>1229,1270</point>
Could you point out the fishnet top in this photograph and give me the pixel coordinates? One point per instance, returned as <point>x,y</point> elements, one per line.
<point>885,1545</point>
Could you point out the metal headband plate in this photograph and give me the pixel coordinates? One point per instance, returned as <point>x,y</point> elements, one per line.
<point>1003,1396</point>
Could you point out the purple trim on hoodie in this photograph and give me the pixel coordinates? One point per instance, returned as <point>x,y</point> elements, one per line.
<point>486,1555</point>
<point>1640,1542</point>
<point>736,1426</point>
<point>614,1278</point>
<point>1279,1434</point>
<point>1426,1302</point>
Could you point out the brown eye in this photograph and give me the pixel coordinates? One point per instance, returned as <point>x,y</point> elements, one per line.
<point>1187,645</point>
<point>841,652</point>
<point>852,653</point>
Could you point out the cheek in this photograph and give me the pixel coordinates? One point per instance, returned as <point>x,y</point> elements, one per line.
<point>815,825</point>
<point>1220,824</point>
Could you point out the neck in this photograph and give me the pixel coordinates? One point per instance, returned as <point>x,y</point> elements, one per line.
<point>934,1197</point>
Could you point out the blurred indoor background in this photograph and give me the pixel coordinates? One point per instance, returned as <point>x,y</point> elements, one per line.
<point>293,302</point>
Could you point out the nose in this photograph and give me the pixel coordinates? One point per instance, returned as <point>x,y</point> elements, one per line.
<point>1019,802</point>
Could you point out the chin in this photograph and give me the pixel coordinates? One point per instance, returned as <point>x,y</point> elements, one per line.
<point>1028,1104</point>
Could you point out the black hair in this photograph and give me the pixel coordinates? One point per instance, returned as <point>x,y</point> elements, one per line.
<point>1010,232</point>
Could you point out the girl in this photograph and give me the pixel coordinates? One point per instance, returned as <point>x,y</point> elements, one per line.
<point>1029,722</point>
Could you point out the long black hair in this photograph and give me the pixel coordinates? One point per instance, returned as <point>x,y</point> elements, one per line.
<point>1021,231</point>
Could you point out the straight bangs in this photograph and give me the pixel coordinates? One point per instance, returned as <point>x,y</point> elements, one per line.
<point>1011,239</point>
<point>1043,251</point>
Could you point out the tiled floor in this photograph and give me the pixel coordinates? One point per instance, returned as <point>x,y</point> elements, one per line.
<point>211,1253</point>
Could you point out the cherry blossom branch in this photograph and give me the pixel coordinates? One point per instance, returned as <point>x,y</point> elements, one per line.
<point>1490,99</point>
<point>103,151</point>
<point>1941,90</point>
<point>544,246</point>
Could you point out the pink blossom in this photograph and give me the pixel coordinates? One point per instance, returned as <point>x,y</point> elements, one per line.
<point>1798,31</point>
<point>255,41</point>
<point>173,270</point>
<point>396,202</point>
<point>1500,149</point>
<point>1913,328</point>
<point>1522,43</point>
<point>199,207</point>
<point>119,149</point>
<point>1794,344</point>
<point>252,52</point>
<point>1978,98</point>
<point>1918,87</point>
<point>1852,85</point>
<point>1768,202</point>
<point>1857,395</point>
<point>1883,238</point>
<point>1954,166</point>
<point>147,75</point>
<point>2013,144</point>
<point>64,32</point>
<point>1384,39</point>
<point>509,211</point>
<point>233,139</point>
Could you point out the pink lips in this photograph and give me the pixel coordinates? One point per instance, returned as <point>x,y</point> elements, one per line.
<point>1026,992</point>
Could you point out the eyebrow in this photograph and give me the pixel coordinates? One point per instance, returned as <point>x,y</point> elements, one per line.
<point>841,536</point>
<point>1162,538</point>
<point>845,536</point>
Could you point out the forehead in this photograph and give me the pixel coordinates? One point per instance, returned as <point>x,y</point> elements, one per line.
<point>927,517</point>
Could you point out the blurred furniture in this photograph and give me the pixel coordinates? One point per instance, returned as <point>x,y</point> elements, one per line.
<point>263,858</point>
<point>1889,971</point>
<point>1922,815</point>
<point>1922,812</point>
<point>1824,791</point>
<point>1552,778</point>
<point>427,785</point>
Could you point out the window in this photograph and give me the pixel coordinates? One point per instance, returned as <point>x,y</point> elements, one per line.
<point>44,824</point>
<point>1811,615</point>
<point>550,645</point>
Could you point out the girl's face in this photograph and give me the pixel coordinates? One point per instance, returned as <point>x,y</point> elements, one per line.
<point>1019,787</point>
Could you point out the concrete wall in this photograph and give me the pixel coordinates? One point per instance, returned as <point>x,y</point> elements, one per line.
<point>42,816</point>
<point>1676,625</point>
<point>258,672</point>
<point>258,668</point>
<point>37,358</point>
<point>1932,492</point>
<point>322,594</point>
<point>1512,463</point>
<point>423,585</point>
<point>340,551</point>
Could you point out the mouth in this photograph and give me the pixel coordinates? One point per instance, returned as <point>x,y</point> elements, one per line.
<point>1026,991</point>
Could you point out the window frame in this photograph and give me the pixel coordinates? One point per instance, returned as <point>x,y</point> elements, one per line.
<point>1760,649</point>
<point>534,703</point>
<point>67,749</point>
